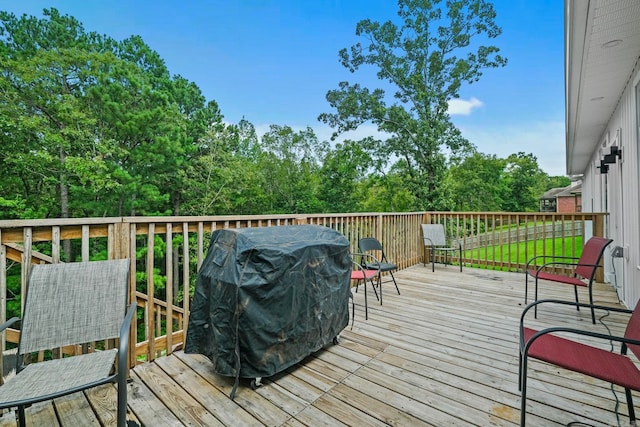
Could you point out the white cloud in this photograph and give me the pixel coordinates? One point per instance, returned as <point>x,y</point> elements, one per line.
<point>463,107</point>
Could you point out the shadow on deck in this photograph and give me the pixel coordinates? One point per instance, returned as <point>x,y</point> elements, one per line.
<point>444,352</point>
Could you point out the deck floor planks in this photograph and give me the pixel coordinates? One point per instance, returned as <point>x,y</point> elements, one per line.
<point>216,402</point>
<point>346,411</point>
<point>74,409</point>
<point>259,407</point>
<point>374,407</point>
<point>104,401</point>
<point>444,352</point>
<point>183,405</point>
<point>146,406</point>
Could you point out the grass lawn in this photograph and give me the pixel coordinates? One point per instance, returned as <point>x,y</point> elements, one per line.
<point>520,253</point>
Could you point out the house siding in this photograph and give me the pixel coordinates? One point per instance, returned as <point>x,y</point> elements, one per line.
<point>617,193</point>
<point>568,204</point>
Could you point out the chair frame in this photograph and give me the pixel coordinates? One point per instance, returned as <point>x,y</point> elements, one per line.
<point>527,350</point>
<point>584,269</point>
<point>119,376</point>
<point>439,245</point>
<point>362,273</point>
<point>369,244</point>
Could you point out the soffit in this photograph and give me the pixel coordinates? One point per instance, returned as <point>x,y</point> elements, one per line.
<point>596,73</point>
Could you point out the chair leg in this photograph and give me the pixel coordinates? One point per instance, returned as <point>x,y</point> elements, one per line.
<point>593,312</point>
<point>632,412</point>
<point>424,255</point>
<point>122,398</point>
<point>526,286</point>
<point>523,390</point>
<point>373,286</point>
<point>353,309</point>
<point>394,282</point>
<point>575,291</point>
<point>433,259</point>
<point>21,417</point>
<point>535,294</point>
<point>520,370</point>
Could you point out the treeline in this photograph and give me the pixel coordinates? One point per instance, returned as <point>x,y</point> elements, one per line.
<point>91,126</point>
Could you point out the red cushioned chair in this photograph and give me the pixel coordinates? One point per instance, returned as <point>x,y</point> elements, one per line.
<point>584,270</point>
<point>572,355</point>
<point>361,273</point>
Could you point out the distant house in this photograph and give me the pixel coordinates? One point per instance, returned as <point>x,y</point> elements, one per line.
<point>602,78</point>
<point>563,199</point>
<point>548,201</point>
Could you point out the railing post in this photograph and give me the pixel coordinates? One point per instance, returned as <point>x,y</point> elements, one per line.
<point>3,304</point>
<point>379,228</point>
<point>598,230</point>
<point>119,247</point>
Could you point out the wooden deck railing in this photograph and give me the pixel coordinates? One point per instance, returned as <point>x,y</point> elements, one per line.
<point>168,252</point>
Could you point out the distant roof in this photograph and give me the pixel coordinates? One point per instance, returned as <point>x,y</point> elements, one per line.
<point>568,191</point>
<point>553,193</point>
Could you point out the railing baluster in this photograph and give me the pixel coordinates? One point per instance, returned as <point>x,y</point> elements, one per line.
<point>150,306</point>
<point>491,240</point>
<point>169,290</point>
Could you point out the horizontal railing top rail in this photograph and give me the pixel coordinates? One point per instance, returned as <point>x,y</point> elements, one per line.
<point>168,252</point>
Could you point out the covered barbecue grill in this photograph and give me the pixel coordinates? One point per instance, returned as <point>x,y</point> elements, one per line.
<point>267,297</point>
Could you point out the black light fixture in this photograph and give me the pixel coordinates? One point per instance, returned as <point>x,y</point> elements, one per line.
<point>604,167</point>
<point>616,151</point>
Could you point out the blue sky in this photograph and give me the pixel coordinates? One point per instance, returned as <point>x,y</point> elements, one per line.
<point>273,61</point>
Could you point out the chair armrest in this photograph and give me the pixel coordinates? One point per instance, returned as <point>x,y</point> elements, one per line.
<point>524,347</point>
<point>8,323</point>
<point>571,330</point>
<point>576,264</point>
<point>123,347</point>
<point>374,264</point>
<point>551,257</point>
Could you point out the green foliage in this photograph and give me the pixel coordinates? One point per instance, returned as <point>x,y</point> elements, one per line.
<point>91,126</point>
<point>424,61</point>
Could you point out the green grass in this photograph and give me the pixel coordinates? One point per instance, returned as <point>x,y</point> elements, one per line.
<point>520,253</point>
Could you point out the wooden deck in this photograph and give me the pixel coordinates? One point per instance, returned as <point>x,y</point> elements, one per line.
<point>444,352</point>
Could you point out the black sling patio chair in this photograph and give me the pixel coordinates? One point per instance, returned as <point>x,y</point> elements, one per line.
<point>371,244</point>
<point>72,304</point>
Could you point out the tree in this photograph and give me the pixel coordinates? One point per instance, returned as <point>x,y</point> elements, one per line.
<point>290,162</point>
<point>424,60</point>
<point>343,170</point>
<point>525,182</point>
<point>477,183</point>
<point>47,67</point>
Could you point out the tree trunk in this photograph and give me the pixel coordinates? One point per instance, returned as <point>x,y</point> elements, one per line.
<point>64,203</point>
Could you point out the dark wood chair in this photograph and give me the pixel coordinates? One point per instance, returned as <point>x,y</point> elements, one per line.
<point>583,270</point>
<point>615,368</point>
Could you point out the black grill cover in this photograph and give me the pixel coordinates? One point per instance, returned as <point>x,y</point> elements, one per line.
<point>265,298</point>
